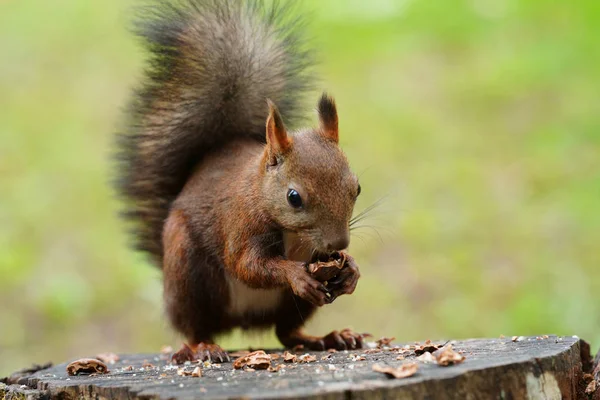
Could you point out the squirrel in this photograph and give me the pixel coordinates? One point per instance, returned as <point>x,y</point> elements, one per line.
<point>231,204</point>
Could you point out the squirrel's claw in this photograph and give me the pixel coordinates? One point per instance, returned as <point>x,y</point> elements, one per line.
<point>212,352</point>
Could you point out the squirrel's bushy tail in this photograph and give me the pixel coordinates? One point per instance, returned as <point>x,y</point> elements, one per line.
<point>213,64</point>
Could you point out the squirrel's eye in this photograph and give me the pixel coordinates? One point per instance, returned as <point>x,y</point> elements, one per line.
<point>294,198</point>
<point>358,190</point>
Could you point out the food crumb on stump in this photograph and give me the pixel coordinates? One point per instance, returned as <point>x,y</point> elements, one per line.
<point>356,357</point>
<point>147,365</point>
<point>403,371</point>
<point>426,358</point>
<point>255,360</point>
<point>276,368</point>
<point>307,358</point>
<point>447,356</point>
<point>87,366</point>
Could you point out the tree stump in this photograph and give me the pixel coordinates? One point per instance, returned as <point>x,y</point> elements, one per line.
<point>507,368</point>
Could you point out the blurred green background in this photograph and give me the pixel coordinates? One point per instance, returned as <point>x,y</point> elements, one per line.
<point>478,120</point>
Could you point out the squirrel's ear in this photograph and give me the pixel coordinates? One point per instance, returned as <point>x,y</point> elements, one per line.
<point>278,141</point>
<point>328,117</point>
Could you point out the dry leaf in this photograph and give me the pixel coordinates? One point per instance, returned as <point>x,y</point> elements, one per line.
<point>403,371</point>
<point>197,372</point>
<point>258,359</point>
<point>274,356</point>
<point>289,357</point>
<point>371,351</point>
<point>128,368</point>
<point>331,350</point>
<point>384,341</point>
<point>87,366</point>
<point>447,356</point>
<point>307,358</point>
<point>326,357</point>
<point>248,369</point>
<point>501,336</point>
<point>400,358</point>
<point>108,358</point>
<point>514,338</point>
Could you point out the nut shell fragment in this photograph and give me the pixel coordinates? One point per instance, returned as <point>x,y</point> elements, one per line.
<point>327,270</point>
<point>87,366</point>
<point>289,357</point>
<point>403,371</point>
<point>255,360</point>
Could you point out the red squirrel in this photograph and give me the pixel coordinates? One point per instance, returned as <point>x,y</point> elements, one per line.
<point>226,200</point>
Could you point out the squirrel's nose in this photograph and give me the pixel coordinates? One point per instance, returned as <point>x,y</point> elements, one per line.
<point>339,243</point>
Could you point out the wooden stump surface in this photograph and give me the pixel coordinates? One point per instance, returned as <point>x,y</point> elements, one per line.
<point>531,367</point>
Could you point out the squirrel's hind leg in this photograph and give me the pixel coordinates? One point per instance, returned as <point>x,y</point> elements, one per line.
<point>195,293</point>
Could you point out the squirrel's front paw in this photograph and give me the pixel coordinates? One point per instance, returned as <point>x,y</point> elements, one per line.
<point>346,280</point>
<point>308,288</point>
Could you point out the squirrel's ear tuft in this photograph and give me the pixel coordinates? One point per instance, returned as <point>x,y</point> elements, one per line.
<point>328,117</point>
<point>278,141</point>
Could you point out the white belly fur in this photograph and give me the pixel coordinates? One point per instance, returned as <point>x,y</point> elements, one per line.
<point>245,300</point>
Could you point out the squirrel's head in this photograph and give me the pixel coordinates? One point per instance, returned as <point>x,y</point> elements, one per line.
<point>308,183</point>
